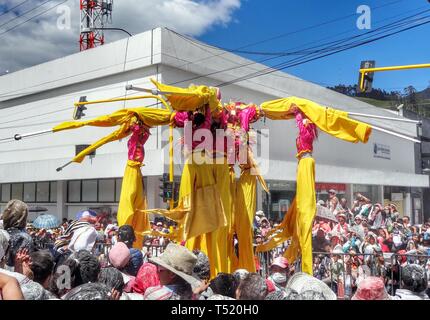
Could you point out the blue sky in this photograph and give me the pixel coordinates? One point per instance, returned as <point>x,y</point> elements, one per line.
<point>232,24</point>
<point>258,20</point>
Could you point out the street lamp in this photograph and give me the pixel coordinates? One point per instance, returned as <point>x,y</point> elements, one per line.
<point>117,29</point>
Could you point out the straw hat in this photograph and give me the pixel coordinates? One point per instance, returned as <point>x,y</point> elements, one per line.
<point>178,260</point>
<point>301,282</point>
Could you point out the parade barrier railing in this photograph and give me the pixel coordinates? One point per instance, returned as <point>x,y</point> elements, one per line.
<point>342,272</point>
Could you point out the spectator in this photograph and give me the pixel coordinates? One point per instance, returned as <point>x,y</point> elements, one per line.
<point>113,279</point>
<point>279,273</point>
<point>175,270</point>
<point>337,270</point>
<point>224,284</point>
<point>302,286</point>
<point>90,291</point>
<point>80,268</point>
<point>371,288</point>
<point>343,208</point>
<point>41,266</point>
<point>393,212</point>
<point>333,201</point>
<point>406,222</point>
<point>252,287</point>
<point>9,288</point>
<point>126,235</point>
<point>202,266</point>
<point>239,275</point>
<point>4,245</point>
<point>14,222</point>
<point>342,227</point>
<point>414,280</point>
<point>120,257</point>
<point>145,278</point>
<point>319,242</point>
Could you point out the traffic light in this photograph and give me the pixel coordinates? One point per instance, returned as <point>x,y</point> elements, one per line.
<point>79,110</point>
<point>176,191</point>
<point>365,85</point>
<point>167,188</point>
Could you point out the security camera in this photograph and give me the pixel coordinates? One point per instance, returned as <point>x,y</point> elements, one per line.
<point>400,107</point>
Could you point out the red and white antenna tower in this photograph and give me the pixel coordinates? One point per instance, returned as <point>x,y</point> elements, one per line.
<point>94,15</point>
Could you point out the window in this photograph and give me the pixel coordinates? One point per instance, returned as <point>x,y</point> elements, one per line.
<point>74,191</point>
<point>53,191</point>
<point>106,190</point>
<point>17,191</point>
<point>118,184</point>
<point>94,190</point>
<point>89,191</point>
<point>29,192</point>
<point>42,192</point>
<point>5,192</point>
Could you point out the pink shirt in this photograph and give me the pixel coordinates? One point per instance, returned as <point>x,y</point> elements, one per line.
<point>306,136</point>
<point>135,144</point>
<point>181,119</point>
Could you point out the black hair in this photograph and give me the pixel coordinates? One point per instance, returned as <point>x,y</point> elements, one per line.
<point>224,284</point>
<point>18,240</point>
<point>414,278</point>
<point>79,268</point>
<point>198,119</point>
<point>89,291</point>
<point>202,267</point>
<point>42,265</point>
<point>252,287</point>
<point>126,235</point>
<point>112,278</point>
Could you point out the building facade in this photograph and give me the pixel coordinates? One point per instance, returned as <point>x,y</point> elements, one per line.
<point>40,97</point>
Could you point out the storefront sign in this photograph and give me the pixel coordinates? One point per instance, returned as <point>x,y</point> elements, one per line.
<point>339,187</point>
<point>381,151</point>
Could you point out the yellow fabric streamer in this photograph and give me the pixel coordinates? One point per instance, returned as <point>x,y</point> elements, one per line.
<point>224,235</point>
<point>246,191</point>
<point>332,121</point>
<point>298,220</point>
<point>191,98</point>
<point>125,118</point>
<point>132,201</point>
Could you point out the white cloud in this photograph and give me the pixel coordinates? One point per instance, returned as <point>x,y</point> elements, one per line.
<point>40,39</point>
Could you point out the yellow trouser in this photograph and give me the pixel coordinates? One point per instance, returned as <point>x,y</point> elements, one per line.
<point>133,198</point>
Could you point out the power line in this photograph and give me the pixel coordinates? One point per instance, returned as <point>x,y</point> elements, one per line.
<point>265,40</point>
<point>281,35</point>
<point>13,8</point>
<point>284,65</point>
<point>203,76</point>
<point>38,15</point>
<point>24,13</point>
<point>262,60</point>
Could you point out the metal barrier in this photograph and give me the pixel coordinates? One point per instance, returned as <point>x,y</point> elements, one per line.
<point>154,250</point>
<point>342,272</point>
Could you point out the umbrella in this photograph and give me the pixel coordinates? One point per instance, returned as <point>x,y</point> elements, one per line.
<point>46,221</point>
<point>86,213</point>
<point>325,213</point>
<point>37,209</point>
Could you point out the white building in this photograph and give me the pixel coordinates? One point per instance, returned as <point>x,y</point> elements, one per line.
<point>42,96</point>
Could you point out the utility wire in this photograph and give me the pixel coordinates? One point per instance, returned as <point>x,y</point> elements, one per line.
<point>24,13</point>
<point>13,8</point>
<point>31,18</point>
